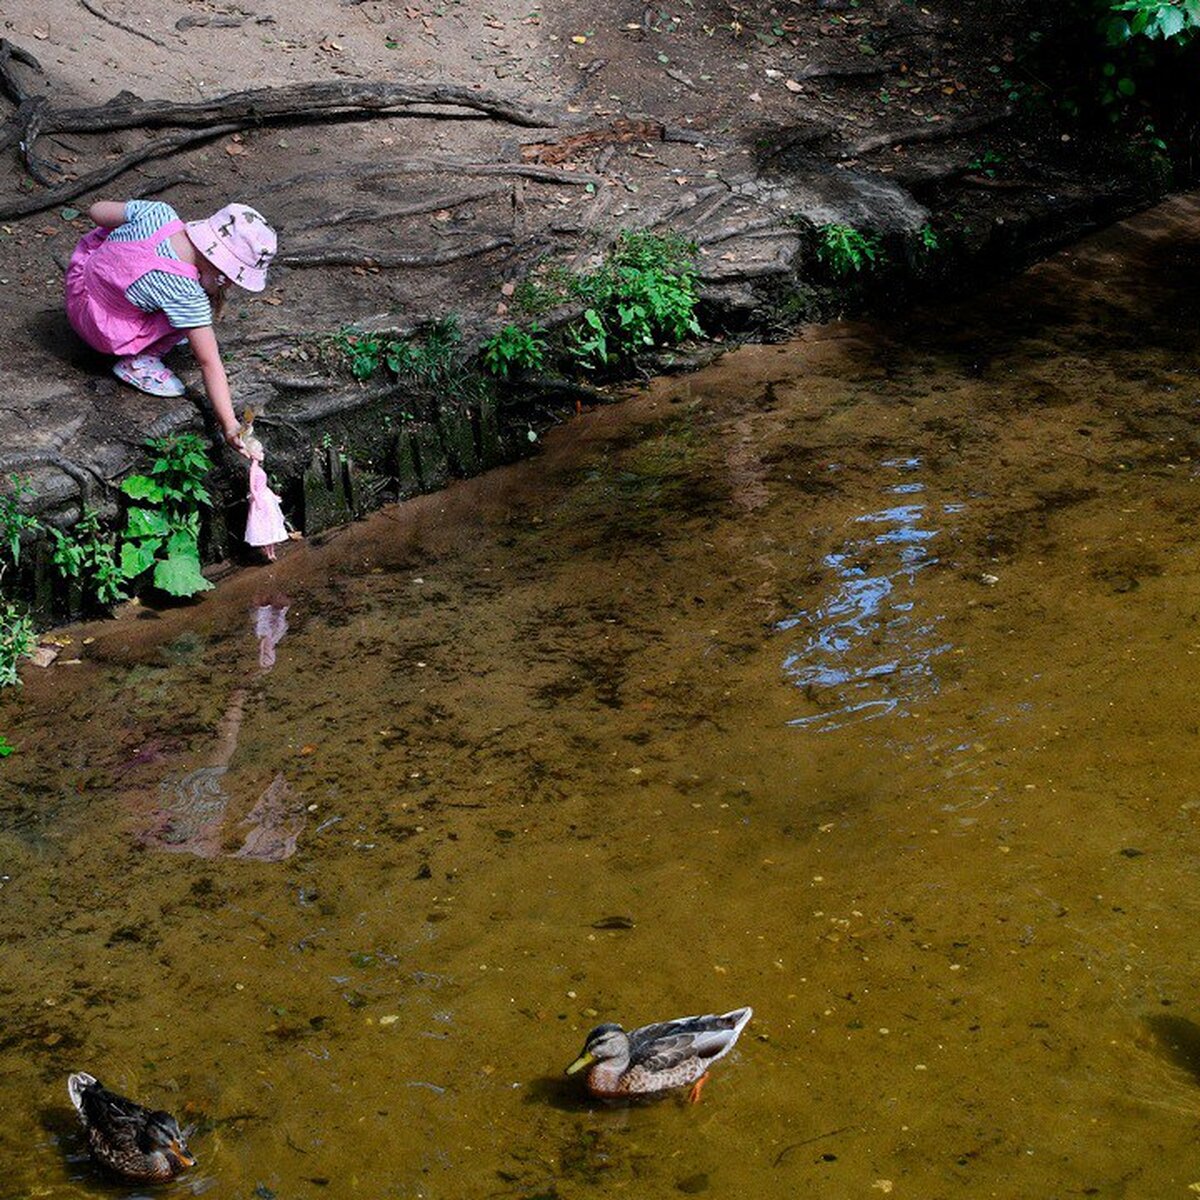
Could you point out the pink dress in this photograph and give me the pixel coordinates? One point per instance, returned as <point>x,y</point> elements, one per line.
<point>97,276</point>
<point>264,524</point>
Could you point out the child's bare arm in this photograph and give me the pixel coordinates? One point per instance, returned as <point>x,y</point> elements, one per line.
<point>109,213</point>
<point>203,342</point>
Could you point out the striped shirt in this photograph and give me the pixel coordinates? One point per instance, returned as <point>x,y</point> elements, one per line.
<point>183,300</point>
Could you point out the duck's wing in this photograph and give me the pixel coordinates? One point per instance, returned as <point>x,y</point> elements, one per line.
<point>668,1043</point>
<point>120,1119</point>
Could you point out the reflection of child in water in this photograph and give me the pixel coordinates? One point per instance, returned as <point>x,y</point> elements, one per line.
<point>264,522</point>
<point>270,624</point>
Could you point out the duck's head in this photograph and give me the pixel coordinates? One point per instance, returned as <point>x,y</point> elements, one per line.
<point>162,1135</point>
<point>603,1044</point>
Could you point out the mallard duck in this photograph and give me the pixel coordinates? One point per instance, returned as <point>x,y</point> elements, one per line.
<point>655,1058</point>
<point>132,1141</point>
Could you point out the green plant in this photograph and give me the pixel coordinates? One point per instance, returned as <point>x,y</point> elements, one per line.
<point>82,553</point>
<point>6,747</point>
<point>363,352</point>
<point>16,636</point>
<point>928,237</point>
<point>514,348</point>
<point>642,293</point>
<point>14,522</point>
<point>1170,20</point>
<point>986,162</point>
<point>843,249</point>
<point>432,354</point>
<point>162,529</point>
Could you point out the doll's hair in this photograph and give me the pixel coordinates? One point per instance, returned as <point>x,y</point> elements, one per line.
<point>253,446</point>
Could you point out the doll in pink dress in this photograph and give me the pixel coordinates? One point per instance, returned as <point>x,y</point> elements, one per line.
<point>264,523</point>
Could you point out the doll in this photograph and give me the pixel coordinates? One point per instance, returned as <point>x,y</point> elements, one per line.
<point>264,522</point>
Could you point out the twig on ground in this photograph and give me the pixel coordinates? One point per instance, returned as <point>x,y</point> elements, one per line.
<point>96,11</point>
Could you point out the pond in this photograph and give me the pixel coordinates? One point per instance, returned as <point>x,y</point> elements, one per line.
<point>852,679</point>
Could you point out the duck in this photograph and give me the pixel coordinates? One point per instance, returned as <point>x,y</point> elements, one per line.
<point>657,1058</point>
<point>130,1140</point>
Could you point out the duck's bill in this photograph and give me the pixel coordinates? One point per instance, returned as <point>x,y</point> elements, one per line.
<point>181,1152</point>
<point>584,1060</point>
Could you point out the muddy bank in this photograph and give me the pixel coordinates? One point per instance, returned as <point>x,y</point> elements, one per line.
<point>744,129</point>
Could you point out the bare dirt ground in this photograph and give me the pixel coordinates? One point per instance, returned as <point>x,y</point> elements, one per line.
<point>731,122</point>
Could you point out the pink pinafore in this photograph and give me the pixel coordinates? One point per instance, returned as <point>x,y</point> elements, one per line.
<point>97,307</point>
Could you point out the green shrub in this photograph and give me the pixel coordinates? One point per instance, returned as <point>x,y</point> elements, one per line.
<point>83,553</point>
<point>843,249</point>
<point>16,638</point>
<point>1170,20</point>
<point>162,527</point>
<point>514,349</point>
<point>432,355</point>
<point>14,522</point>
<point>643,293</point>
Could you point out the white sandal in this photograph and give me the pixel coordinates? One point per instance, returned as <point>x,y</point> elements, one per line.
<point>148,374</point>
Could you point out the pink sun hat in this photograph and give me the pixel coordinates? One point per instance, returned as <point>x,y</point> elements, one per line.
<point>237,241</point>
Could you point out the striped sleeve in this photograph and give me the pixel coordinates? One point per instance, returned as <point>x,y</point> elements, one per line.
<point>183,300</point>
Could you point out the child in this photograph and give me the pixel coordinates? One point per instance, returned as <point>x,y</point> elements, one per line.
<point>264,522</point>
<point>145,281</point>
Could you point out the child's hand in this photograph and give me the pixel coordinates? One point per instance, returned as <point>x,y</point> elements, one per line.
<point>233,438</point>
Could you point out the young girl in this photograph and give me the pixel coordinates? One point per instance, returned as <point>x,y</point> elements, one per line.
<point>145,281</point>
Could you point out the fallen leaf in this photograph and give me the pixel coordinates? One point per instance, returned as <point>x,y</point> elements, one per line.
<point>48,230</point>
<point>233,149</point>
<point>755,97</point>
<point>308,749</point>
<point>579,40</point>
<point>43,656</point>
<point>793,85</point>
<point>40,34</point>
<point>507,289</point>
<point>272,300</point>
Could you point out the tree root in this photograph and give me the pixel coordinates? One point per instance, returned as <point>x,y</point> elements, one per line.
<point>922,133</point>
<point>204,120</point>
<point>361,256</point>
<point>436,166</point>
<point>355,216</point>
<point>54,196</point>
<point>293,102</point>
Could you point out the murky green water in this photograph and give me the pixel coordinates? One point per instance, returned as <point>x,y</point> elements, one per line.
<point>856,676</point>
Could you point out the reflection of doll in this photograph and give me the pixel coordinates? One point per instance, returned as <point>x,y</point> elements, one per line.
<point>270,624</point>
<point>264,523</point>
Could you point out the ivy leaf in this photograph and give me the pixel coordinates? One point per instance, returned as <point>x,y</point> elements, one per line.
<point>140,487</point>
<point>179,573</point>
<point>137,557</point>
<point>147,523</point>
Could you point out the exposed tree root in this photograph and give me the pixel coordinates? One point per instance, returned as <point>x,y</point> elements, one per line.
<point>354,216</point>
<point>204,120</point>
<point>436,166</point>
<point>362,256</point>
<point>922,133</point>
<point>159,148</point>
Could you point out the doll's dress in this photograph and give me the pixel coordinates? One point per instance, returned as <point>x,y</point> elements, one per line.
<point>264,523</point>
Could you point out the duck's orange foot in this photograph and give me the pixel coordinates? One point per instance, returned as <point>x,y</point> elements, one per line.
<point>697,1088</point>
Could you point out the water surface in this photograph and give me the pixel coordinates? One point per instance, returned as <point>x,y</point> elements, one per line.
<point>852,679</point>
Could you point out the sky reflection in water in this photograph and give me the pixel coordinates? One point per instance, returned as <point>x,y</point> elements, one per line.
<point>867,650</point>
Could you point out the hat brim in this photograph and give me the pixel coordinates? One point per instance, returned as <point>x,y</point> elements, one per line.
<point>252,279</point>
